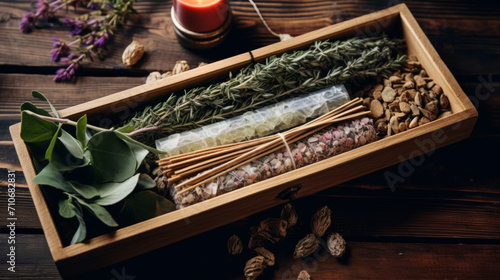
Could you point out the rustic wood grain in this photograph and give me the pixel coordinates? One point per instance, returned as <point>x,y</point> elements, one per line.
<point>440,222</point>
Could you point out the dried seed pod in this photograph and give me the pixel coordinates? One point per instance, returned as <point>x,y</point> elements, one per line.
<point>289,214</point>
<point>376,109</point>
<point>336,245</point>
<point>254,267</point>
<point>303,275</point>
<point>132,53</point>
<point>275,226</point>
<point>306,246</point>
<point>153,76</point>
<point>444,101</point>
<point>321,221</point>
<point>268,256</point>
<point>259,238</point>
<point>234,245</point>
<point>180,66</point>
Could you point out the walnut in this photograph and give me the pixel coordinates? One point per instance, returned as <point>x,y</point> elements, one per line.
<point>132,53</point>
<point>234,245</point>
<point>336,245</point>
<point>321,221</point>
<point>254,267</point>
<point>289,214</point>
<point>180,66</point>
<point>306,246</point>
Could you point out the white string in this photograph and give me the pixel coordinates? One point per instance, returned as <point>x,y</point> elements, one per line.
<point>282,37</point>
<point>288,149</point>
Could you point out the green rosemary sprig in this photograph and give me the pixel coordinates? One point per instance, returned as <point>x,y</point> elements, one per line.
<point>325,63</point>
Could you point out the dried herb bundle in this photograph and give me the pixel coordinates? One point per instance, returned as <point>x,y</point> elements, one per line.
<point>325,63</point>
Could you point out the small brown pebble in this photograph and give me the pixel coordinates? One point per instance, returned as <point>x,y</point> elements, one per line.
<point>376,109</point>
<point>366,102</point>
<point>399,115</point>
<point>387,115</point>
<point>419,81</point>
<point>412,93</point>
<point>432,107</point>
<point>408,77</point>
<point>430,84</point>
<point>394,106</point>
<point>402,126</point>
<point>409,84</point>
<point>444,114</point>
<point>414,110</point>
<point>336,245</point>
<point>423,73</point>
<point>377,95</point>
<point>388,94</point>
<point>428,114</point>
<point>378,87</point>
<point>407,123</point>
<point>404,107</point>
<point>303,275</point>
<point>382,127</point>
<point>418,99</point>
<point>387,83</point>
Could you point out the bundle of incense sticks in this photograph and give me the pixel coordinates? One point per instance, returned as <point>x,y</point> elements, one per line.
<point>214,162</point>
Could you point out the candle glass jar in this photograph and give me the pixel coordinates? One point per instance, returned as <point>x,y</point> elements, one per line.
<point>201,24</point>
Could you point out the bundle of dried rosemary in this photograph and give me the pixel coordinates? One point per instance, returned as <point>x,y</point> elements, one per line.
<point>323,64</point>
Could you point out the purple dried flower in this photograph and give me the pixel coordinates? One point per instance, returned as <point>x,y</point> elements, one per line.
<point>60,49</point>
<point>99,43</point>
<point>76,26</point>
<point>43,9</point>
<point>62,74</point>
<point>27,22</point>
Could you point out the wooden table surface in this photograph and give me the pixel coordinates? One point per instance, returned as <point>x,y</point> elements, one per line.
<point>442,222</point>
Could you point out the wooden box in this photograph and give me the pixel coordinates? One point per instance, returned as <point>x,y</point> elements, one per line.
<point>172,227</point>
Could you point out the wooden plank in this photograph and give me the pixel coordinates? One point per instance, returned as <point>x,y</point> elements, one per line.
<point>365,260</point>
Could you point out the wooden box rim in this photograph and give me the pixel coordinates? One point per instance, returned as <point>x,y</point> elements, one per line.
<point>177,225</point>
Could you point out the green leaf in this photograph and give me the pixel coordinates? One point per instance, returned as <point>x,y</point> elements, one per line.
<point>50,149</point>
<point>81,231</point>
<point>28,106</point>
<point>126,129</point>
<point>131,140</point>
<point>139,152</point>
<point>40,96</point>
<point>34,129</point>
<point>51,177</point>
<point>145,182</point>
<point>66,208</point>
<point>113,159</point>
<point>84,190</point>
<point>81,129</point>
<point>100,212</point>
<point>144,205</point>
<point>71,144</point>
<point>63,160</point>
<point>111,193</point>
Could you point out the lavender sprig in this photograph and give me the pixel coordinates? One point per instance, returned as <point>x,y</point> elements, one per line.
<point>91,31</point>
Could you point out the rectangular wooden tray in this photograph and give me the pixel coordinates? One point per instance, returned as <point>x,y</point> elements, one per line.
<point>146,236</point>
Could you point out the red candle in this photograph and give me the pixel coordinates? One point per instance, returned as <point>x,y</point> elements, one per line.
<point>201,15</point>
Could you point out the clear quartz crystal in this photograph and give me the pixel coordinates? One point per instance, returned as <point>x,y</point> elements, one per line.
<point>258,123</point>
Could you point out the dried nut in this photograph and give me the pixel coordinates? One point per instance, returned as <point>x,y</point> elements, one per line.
<point>387,83</point>
<point>366,102</point>
<point>376,109</point>
<point>234,245</point>
<point>321,221</point>
<point>437,89</point>
<point>402,126</point>
<point>423,120</point>
<point>394,124</point>
<point>399,115</point>
<point>444,114</point>
<point>303,275</point>
<point>414,110</point>
<point>432,107</point>
<point>409,84</point>
<point>336,245</point>
<point>409,77</point>
<point>423,73</point>
<point>132,53</point>
<point>407,123</point>
<point>306,246</point>
<point>180,66</point>
<point>414,122</point>
<point>395,79</point>
<point>166,74</point>
<point>268,256</point>
<point>418,99</point>
<point>382,127</point>
<point>378,87</point>
<point>428,114</point>
<point>394,106</point>
<point>289,214</point>
<point>254,267</point>
<point>419,81</point>
<point>153,76</point>
<point>412,93</point>
<point>377,95</point>
<point>404,107</point>
<point>444,101</point>
<point>388,94</point>
<point>276,227</point>
<point>430,84</point>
